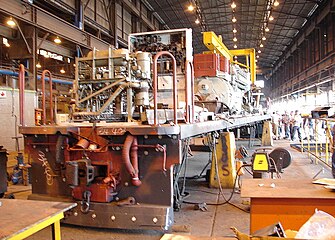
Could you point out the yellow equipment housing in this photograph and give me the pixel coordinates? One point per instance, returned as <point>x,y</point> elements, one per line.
<point>260,162</point>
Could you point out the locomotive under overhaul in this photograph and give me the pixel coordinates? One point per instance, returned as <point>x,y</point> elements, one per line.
<point>130,121</point>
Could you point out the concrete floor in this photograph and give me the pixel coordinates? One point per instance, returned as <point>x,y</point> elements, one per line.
<point>215,222</point>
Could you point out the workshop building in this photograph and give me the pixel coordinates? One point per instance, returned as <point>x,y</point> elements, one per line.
<point>147,119</point>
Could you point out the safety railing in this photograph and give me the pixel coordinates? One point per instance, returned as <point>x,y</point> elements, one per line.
<point>318,141</point>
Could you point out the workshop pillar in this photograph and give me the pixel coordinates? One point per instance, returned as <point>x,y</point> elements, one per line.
<point>225,154</point>
<point>267,139</point>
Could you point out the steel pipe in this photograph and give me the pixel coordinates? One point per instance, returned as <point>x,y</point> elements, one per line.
<point>155,85</point>
<point>21,93</point>
<point>189,112</point>
<point>43,97</point>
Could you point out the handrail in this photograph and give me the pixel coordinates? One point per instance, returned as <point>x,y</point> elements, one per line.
<point>189,114</point>
<point>155,85</point>
<point>21,93</point>
<point>43,97</point>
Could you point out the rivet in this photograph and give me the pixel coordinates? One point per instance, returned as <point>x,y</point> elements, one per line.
<point>126,184</point>
<point>146,153</point>
<point>94,215</point>
<point>113,218</point>
<point>155,220</point>
<point>75,214</point>
<point>133,219</point>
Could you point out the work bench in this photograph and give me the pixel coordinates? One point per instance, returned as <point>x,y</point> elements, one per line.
<point>289,201</point>
<point>22,218</point>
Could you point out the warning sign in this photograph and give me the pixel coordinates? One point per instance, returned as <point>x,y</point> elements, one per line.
<point>3,94</point>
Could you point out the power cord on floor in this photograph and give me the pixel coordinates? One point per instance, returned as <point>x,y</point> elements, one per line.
<point>212,144</point>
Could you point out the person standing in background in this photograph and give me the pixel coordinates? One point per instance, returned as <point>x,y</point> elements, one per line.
<point>297,124</point>
<point>286,124</point>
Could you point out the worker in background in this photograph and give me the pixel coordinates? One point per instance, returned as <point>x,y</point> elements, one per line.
<point>275,118</point>
<point>291,122</point>
<point>308,124</point>
<point>285,119</point>
<point>297,124</point>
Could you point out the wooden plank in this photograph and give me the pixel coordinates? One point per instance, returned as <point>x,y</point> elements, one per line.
<point>284,188</point>
<point>19,215</point>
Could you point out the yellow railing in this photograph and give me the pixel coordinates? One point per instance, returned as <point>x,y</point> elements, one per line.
<point>320,148</point>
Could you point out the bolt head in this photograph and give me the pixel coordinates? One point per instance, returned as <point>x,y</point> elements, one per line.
<point>75,214</point>
<point>155,220</point>
<point>133,219</point>
<point>113,218</point>
<point>94,215</point>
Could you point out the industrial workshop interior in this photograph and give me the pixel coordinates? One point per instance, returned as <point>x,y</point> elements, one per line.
<point>172,120</point>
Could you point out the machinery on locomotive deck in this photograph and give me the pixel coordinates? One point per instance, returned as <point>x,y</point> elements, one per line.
<point>223,84</point>
<point>131,117</point>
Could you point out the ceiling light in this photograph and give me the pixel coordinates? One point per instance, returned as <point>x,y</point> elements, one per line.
<point>234,30</point>
<point>57,40</point>
<point>235,46</point>
<point>190,8</point>
<point>263,38</point>
<point>7,45</point>
<point>261,45</point>
<point>267,29</point>
<point>11,22</point>
<point>257,56</point>
<point>234,19</point>
<point>235,39</point>
<point>325,35</point>
<point>197,21</point>
<point>276,3</point>
<point>271,18</point>
<point>259,51</point>
<point>62,71</point>
<point>256,60</point>
<point>38,65</point>
<point>233,5</point>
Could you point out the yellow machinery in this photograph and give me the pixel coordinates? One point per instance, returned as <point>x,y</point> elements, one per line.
<point>215,44</point>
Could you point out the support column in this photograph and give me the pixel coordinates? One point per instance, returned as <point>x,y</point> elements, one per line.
<point>267,139</point>
<point>225,159</point>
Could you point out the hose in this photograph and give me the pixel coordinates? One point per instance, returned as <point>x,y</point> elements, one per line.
<point>130,158</point>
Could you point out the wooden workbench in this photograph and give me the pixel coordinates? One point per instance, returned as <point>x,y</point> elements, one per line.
<point>291,201</point>
<point>22,218</point>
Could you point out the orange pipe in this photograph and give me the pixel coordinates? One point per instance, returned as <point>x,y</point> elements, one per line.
<point>129,152</point>
<point>43,97</point>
